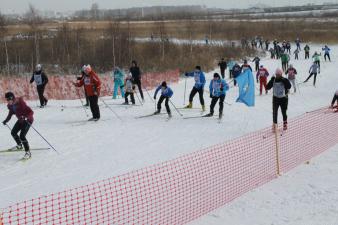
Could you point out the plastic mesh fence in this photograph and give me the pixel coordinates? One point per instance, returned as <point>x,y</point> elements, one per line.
<point>61,87</point>
<point>181,190</point>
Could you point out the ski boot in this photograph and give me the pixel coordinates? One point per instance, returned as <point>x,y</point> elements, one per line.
<point>285,125</point>
<point>189,106</point>
<point>220,116</point>
<point>208,115</point>
<point>157,112</point>
<point>27,155</point>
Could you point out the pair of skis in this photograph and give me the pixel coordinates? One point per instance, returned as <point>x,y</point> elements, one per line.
<point>152,114</point>
<point>14,149</point>
<point>219,119</point>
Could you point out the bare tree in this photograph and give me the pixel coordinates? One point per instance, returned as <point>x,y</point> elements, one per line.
<point>34,21</point>
<point>94,11</point>
<point>3,38</point>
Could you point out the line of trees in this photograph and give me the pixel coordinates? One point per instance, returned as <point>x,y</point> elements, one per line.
<point>70,47</point>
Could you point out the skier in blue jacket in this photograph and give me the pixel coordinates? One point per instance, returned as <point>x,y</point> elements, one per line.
<point>217,89</point>
<point>326,52</point>
<point>198,87</point>
<point>166,93</point>
<point>118,76</point>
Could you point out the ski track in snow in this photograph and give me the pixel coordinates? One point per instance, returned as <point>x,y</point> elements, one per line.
<point>92,151</point>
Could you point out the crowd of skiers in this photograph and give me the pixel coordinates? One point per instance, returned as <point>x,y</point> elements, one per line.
<point>126,85</point>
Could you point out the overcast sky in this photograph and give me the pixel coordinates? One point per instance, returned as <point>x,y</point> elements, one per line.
<point>19,6</point>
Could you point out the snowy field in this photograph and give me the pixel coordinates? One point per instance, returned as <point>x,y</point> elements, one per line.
<point>91,151</point>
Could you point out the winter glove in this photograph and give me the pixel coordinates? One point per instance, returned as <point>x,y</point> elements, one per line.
<point>221,89</point>
<point>155,97</point>
<point>4,122</point>
<point>210,95</point>
<point>186,74</point>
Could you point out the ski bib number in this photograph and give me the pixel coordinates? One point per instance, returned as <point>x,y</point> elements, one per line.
<point>38,79</point>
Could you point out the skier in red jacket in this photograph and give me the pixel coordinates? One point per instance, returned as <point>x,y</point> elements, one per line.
<point>92,85</point>
<point>18,107</point>
<point>261,77</point>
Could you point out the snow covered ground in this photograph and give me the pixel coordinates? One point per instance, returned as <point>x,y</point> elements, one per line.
<point>93,151</point>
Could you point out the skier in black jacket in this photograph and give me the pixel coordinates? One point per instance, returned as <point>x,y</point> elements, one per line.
<point>41,80</point>
<point>281,87</point>
<point>223,66</point>
<point>136,75</point>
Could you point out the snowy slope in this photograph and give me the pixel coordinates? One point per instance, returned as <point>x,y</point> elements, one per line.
<point>94,151</point>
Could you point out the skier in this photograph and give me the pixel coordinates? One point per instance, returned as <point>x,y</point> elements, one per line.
<point>262,75</point>
<point>288,47</point>
<point>314,69</point>
<point>245,66</point>
<point>231,64</point>
<point>326,52</point>
<point>129,90</point>
<point>291,72</point>
<point>267,43</point>
<point>296,52</point>
<point>80,78</point>
<point>272,53</point>
<point>223,66</point>
<point>92,85</point>
<point>285,61</point>
<point>118,76</point>
<point>281,88</point>
<point>217,88</point>
<point>298,43</point>
<point>335,99</point>
<point>236,71</point>
<point>198,87</point>
<point>307,51</point>
<point>136,73</point>
<point>166,94</point>
<point>316,58</point>
<point>41,80</point>
<point>24,114</point>
<point>256,60</point>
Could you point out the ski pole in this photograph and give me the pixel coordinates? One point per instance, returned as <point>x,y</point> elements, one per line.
<point>8,127</point>
<point>138,98</point>
<point>155,105</point>
<point>227,103</point>
<point>84,108</point>
<point>42,137</point>
<point>110,109</point>
<point>175,108</point>
<point>149,94</point>
<point>297,86</point>
<point>185,89</point>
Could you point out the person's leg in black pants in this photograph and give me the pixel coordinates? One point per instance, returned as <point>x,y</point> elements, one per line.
<point>314,79</point>
<point>167,106</point>
<point>139,86</point>
<point>284,107</point>
<point>159,103</point>
<point>200,92</point>
<point>42,99</point>
<point>221,104</point>
<point>192,94</point>
<point>15,130</point>
<point>308,77</point>
<point>275,106</point>
<point>212,105</point>
<point>94,107</point>
<point>335,98</point>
